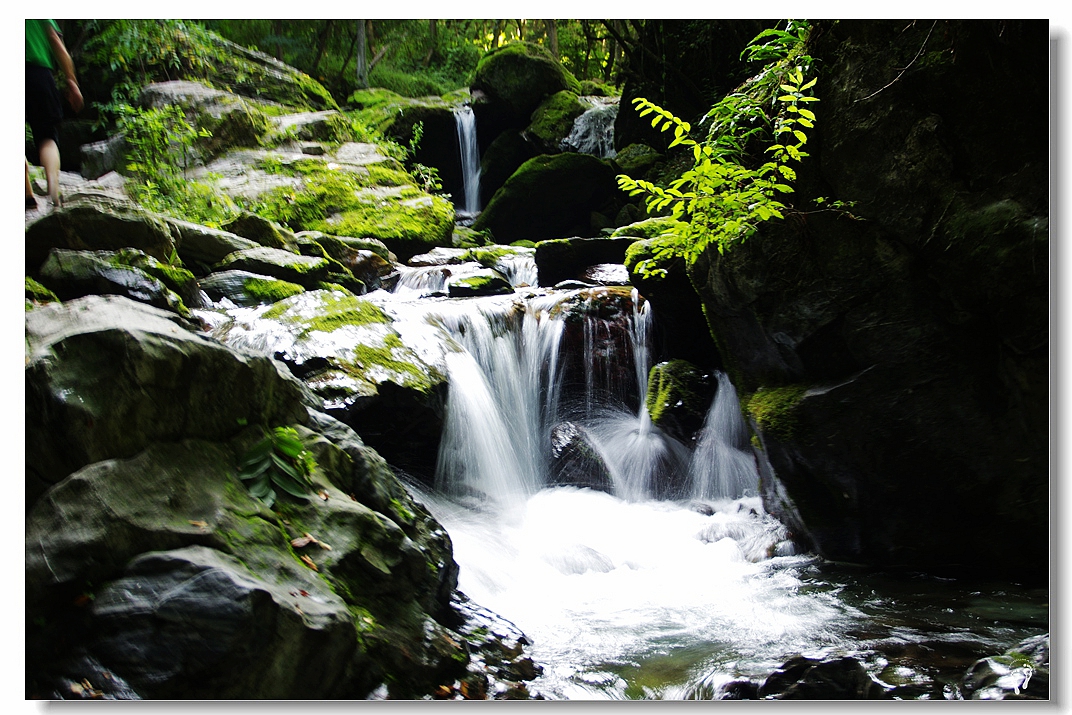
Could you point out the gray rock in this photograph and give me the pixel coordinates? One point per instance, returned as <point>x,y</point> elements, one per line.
<point>75,274</point>
<point>106,376</point>
<point>247,289</point>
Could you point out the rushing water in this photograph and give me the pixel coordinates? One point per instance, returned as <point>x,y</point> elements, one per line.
<point>668,580</point>
<point>593,131</point>
<point>469,151</point>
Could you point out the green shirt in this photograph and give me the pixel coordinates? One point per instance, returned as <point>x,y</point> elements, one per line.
<point>38,48</point>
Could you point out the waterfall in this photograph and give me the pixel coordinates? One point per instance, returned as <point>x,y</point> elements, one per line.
<point>465,124</point>
<point>593,131</point>
<point>722,466</point>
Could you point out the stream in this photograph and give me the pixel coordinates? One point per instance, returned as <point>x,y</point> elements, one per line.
<point>639,566</point>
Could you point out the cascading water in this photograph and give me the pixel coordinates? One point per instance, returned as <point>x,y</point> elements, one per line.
<point>665,578</point>
<point>722,467</point>
<point>469,152</point>
<point>593,131</point>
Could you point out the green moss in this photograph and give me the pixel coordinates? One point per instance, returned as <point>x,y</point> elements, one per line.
<point>270,291</point>
<point>672,386</point>
<point>524,243</point>
<point>37,293</point>
<point>406,373</point>
<point>650,228</point>
<point>772,409</point>
<point>553,119</point>
<point>337,310</point>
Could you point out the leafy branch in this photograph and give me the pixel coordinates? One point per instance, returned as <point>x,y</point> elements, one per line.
<point>722,199</point>
<point>281,461</point>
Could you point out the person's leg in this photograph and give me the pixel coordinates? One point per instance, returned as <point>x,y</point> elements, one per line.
<point>29,186</point>
<point>50,159</point>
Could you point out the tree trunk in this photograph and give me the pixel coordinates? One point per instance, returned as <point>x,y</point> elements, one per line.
<point>431,43</point>
<point>321,45</point>
<point>362,55</point>
<point>552,36</point>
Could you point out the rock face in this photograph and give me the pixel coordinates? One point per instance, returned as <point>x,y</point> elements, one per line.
<point>896,365</point>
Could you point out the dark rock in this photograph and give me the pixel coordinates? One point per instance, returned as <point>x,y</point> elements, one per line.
<point>247,289</point>
<point>201,247</point>
<point>575,460</point>
<point>802,678</point>
<point>500,160</point>
<point>568,258</point>
<point>550,197</point>
<point>75,274</point>
<point>511,81</point>
<point>678,397</point>
<point>307,271</point>
<point>480,282</point>
<point>636,160</point>
<point>552,121</point>
<point>1021,673</point>
<point>106,376</point>
<point>260,230</point>
<point>933,307</point>
<point>103,156</point>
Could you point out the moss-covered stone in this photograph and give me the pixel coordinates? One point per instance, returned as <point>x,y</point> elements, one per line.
<point>487,282</point>
<point>553,120</point>
<point>677,398</point>
<point>519,75</point>
<point>549,197</point>
<point>772,409</point>
<point>37,293</point>
<point>334,310</point>
<point>594,88</point>
<point>649,228</point>
<point>636,160</point>
<point>257,228</point>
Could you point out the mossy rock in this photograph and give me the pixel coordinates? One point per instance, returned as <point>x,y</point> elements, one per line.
<point>549,197</point>
<point>37,293</point>
<point>506,153</point>
<point>677,399</point>
<point>649,228</point>
<point>636,160</point>
<point>247,289</point>
<point>773,409</point>
<point>75,274</point>
<point>594,88</point>
<point>553,121</point>
<point>518,76</point>
<point>261,230</point>
<point>484,282</point>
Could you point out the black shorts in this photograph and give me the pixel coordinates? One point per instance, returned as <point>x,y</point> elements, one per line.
<point>43,109</point>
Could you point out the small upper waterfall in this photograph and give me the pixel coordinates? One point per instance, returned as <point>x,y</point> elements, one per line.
<point>593,131</point>
<point>465,123</point>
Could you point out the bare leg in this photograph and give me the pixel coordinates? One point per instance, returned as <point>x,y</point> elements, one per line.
<point>29,186</point>
<point>50,159</point>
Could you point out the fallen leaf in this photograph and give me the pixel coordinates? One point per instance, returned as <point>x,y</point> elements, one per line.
<point>323,494</point>
<point>326,547</point>
<point>302,541</point>
<point>201,524</point>
<point>309,562</point>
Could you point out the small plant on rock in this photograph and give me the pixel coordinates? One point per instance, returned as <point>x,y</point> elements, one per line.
<point>280,461</point>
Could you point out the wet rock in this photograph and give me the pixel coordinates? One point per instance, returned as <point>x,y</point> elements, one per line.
<point>575,460</point>
<point>802,678</point>
<point>307,271</point>
<point>363,373</point>
<point>247,289</point>
<point>200,247</point>
<point>1021,673</point>
<point>570,258</point>
<point>261,230</point>
<point>478,282</point>
<point>511,81</point>
<point>552,121</point>
<point>75,274</point>
<point>106,376</point>
<point>678,397</point>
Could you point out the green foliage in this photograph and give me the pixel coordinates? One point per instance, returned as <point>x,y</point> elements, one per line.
<point>724,196</point>
<point>281,461</point>
<point>427,176</point>
<point>160,143</point>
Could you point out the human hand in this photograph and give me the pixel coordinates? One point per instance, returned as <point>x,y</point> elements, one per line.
<point>74,96</point>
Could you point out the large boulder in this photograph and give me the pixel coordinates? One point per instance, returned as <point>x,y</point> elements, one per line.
<point>565,259</point>
<point>511,81</point>
<point>897,367</point>
<point>95,221</point>
<point>74,274</point>
<point>550,197</point>
<point>106,377</point>
<point>552,121</point>
<point>346,351</point>
<point>171,537</point>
